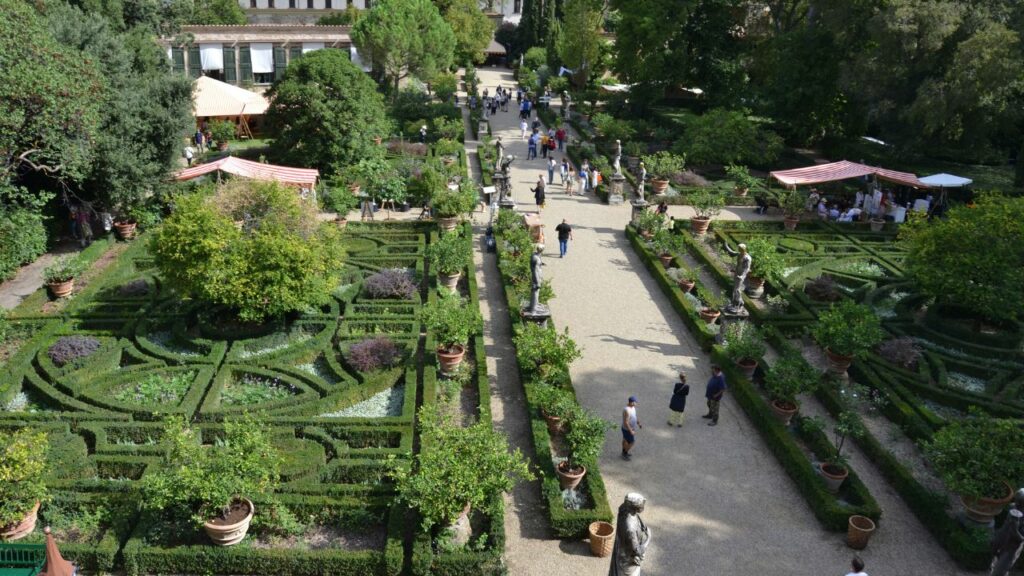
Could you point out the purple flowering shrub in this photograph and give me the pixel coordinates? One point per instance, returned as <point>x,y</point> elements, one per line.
<point>391,283</point>
<point>902,352</point>
<point>67,349</point>
<point>374,354</point>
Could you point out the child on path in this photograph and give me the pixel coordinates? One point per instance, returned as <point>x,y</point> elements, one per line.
<point>678,403</point>
<point>523,127</point>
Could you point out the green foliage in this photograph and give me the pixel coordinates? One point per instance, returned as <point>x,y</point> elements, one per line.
<point>223,131</point>
<point>535,58</point>
<point>64,269</point>
<point>472,28</point>
<point>452,203</point>
<point>404,38</point>
<point>743,341</point>
<point>664,165</point>
<point>335,196</point>
<point>347,17</point>
<point>23,238</point>
<point>463,466</point>
<point>325,89</point>
<point>214,12</point>
<point>848,328</point>
<point>766,260</point>
<point>585,437</point>
<point>649,222</point>
<point>22,474</point>
<point>544,352</point>
<point>579,41</point>
<point>555,401</point>
<point>666,242</point>
<point>741,176</point>
<point>199,482</point>
<point>721,136</point>
<point>793,203</point>
<point>707,203</point>
<point>975,456</point>
<point>451,319</point>
<point>449,255</point>
<point>790,376</point>
<point>981,271</point>
<point>254,247</point>
<point>711,299</point>
<point>611,128</point>
<point>445,85</point>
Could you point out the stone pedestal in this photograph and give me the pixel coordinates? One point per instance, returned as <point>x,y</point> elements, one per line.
<point>728,317</point>
<point>540,315</point>
<point>755,292</point>
<point>507,204</point>
<point>615,189</point>
<point>638,207</point>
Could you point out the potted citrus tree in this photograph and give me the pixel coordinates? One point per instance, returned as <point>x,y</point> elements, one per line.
<point>766,262</point>
<point>22,482</point>
<point>545,353</point>
<point>662,167</point>
<point>449,205</point>
<point>584,439</point>
<point>741,177</point>
<point>556,405</point>
<point>448,257</point>
<point>706,205</point>
<point>847,330</point>
<point>452,321</point>
<point>792,203</point>
<point>211,485</point>
<point>633,151</point>
<point>712,305</point>
<point>338,196</point>
<point>787,378</point>
<point>648,223</point>
<point>684,276</point>
<point>978,458</point>
<point>665,244</point>
<point>744,346</point>
<point>852,398</point>
<point>60,276</point>
<point>223,132</point>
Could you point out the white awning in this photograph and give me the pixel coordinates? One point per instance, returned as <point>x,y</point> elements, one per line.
<point>357,60</point>
<point>262,55</point>
<point>170,53</point>
<point>310,46</point>
<point>944,180</point>
<point>212,56</point>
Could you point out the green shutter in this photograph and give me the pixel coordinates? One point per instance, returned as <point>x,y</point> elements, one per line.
<point>294,53</point>
<point>280,63</point>
<point>178,60</point>
<point>230,75</point>
<point>245,63</point>
<point>195,63</point>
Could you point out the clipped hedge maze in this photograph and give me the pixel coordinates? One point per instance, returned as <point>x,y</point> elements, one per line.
<point>149,353</point>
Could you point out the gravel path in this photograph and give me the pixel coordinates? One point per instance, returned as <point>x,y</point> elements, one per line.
<point>717,498</point>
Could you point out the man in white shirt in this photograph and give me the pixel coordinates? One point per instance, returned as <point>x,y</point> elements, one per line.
<point>851,215</point>
<point>858,567</point>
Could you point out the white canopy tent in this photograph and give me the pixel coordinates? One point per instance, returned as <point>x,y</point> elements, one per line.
<point>216,99</point>
<point>944,180</point>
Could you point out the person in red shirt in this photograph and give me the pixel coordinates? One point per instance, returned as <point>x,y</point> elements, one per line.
<point>560,137</point>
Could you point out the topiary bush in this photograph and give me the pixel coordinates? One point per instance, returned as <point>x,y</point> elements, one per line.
<point>23,237</point>
<point>390,283</point>
<point>254,247</point>
<point>902,352</point>
<point>374,354</point>
<point>67,349</point>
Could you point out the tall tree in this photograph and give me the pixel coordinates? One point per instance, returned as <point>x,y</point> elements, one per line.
<point>325,112</point>
<point>403,38</point>
<point>579,44</point>
<point>472,28</point>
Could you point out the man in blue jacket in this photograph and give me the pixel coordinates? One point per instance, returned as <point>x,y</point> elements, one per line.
<point>714,392</point>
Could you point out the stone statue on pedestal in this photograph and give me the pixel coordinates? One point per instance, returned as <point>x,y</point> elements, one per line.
<point>632,537</point>
<point>640,181</point>
<point>742,268</point>
<point>500,149</point>
<point>536,279</point>
<point>618,157</point>
<point>1008,541</point>
<point>505,163</point>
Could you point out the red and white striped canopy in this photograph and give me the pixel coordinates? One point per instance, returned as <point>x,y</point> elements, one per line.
<point>843,170</point>
<point>248,169</point>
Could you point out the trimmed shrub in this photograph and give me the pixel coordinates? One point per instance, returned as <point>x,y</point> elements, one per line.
<point>374,354</point>
<point>22,237</point>
<point>391,283</point>
<point>67,349</point>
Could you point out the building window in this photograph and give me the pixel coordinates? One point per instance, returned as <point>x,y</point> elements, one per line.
<point>517,6</point>
<point>327,4</point>
<point>291,3</point>
<point>309,4</point>
<point>267,78</point>
<point>252,4</point>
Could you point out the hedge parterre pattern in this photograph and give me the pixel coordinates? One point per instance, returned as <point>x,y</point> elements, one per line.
<point>158,354</point>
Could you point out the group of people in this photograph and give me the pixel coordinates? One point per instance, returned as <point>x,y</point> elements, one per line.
<point>586,179</point>
<point>200,142</point>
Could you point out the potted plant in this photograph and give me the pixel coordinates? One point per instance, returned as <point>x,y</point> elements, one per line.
<point>977,458</point>
<point>706,205</point>
<point>465,468</point>
<point>792,203</point>
<point>452,321</point>
<point>633,151</point>
<point>847,330</point>
<point>648,223</point>
<point>211,485</point>
<point>852,398</point>
<point>665,243</point>
<point>712,307</point>
<point>23,487</point>
<point>787,378</point>
<point>684,276</point>
<point>128,216</point>
<point>766,262</point>
<point>876,223</point>
<point>448,256</point>
<point>449,205</point>
<point>744,346</point>
<point>60,276</point>
<point>545,353</point>
<point>584,438</point>
<point>556,405</point>
<point>337,196</point>
<point>741,177</point>
<point>662,166</point>
<point>223,131</point>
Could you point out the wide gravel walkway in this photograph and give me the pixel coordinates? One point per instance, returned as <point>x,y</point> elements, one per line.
<point>718,501</point>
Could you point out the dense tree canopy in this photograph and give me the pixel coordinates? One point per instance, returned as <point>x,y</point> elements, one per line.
<point>325,112</point>
<point>579,40</point>
<point>472,28</point>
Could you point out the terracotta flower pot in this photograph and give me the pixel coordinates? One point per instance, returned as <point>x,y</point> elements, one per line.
<point>451,359</point>
<point>838,363</point>
<point>341,222</point>
<point>709,316</point>
<point>125,230</point>
<point>755,286</point>
<point>699,226</point>
<point>984,510</point>
<point>859,531</point>
<point>877,225</point>
<point>646,234</point>
<point>666,259</point>
<point>741,192</point>
<point>784,411</point>
<point>659,186</point>
<point>747,366</point>
<point>567,478</point>
<point>447,224</point>
<point>62,289</point>
<point>222,146</point>
<point>554,422</point>
<point>354,189</point>
<point>790,222</point>
<point>686,285</point>
<point>377,140</point>
<point>834,476</point>
<point>22,528</point>
<point>602,538</point>
<point>230,534</point>
<point>449,281</point>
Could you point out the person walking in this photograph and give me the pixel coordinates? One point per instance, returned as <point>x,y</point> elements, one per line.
<point>677,404</point>
<point>538,192</point>
<point>630,424</point>
<point>563,171</point>
<point>543,145</point>
<point>551,169</point>
<point>560,137</point>
<point>531,147</point>
<point>570,182</point>
<point>423,134</point>
<point>189,154</point>
<point>564,235</point>
<point>857,566</point>
<point>200,141</point>
<point>714,392</point>
<point>523,127</point>
<point>584,178</point>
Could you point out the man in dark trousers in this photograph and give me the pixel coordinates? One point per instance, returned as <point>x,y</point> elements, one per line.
<point>678,403</point>
<point>564,235</point>
<point>714,392</point>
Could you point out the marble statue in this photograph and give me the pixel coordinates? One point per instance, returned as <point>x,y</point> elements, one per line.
<point>632,537</point>
<point>1008,541</point>
<point>618,157</point>
<point>536,279</point>
<point>500,149</point>
<point>640,181</point>
<point>505,164</point>
<point>743,262</point>
<point>566,104</point>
